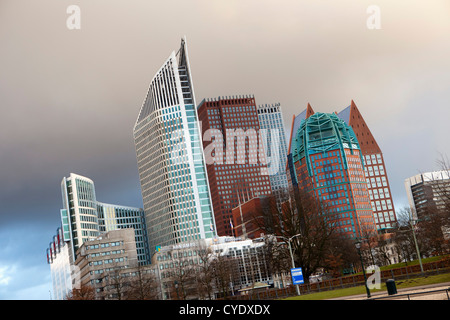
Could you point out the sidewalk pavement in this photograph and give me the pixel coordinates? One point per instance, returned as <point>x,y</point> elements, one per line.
<point>431,287</point>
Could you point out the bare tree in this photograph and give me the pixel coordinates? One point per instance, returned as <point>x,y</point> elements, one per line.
<point>444,188</point>
<point>341,256</point>
<point>224,270</point>
<point>309,226</point>
<point>115,284</point>
<point>404,216</point>
<point>184,273</point>
<point>204,274</point>
<point>382,251</point>
<point>143,284</point>
<point>277,257</point>
<point>406,244</point>
<point>369,245</point>
<point>85,292</point>
<point>430,231</point>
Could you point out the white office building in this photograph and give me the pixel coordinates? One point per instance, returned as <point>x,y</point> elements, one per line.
<point>83,218</point>
<point>171,165</point>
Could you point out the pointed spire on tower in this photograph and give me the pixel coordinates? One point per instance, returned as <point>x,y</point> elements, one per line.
<point>309,111</point>
<point>366,140</point>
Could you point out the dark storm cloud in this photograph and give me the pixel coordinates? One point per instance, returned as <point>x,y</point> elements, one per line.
<point>69,98</point>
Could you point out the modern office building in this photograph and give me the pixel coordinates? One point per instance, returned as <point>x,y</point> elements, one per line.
<point>79,214</point>
<point>102,259</point>
<point>172,172</point>
<point>245,260</point>
<point>114,217</point>
<point>374,167</point>
<point>428,192</point>
<point>235,158</point>
<point>328,163</point>
<point>84,218</point>
<point>271,122</point>
<point>373,161</point>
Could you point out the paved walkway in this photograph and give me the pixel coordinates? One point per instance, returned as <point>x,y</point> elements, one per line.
<point>432,296</point>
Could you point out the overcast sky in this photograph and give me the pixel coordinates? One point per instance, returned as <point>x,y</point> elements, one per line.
<point>69,98</point>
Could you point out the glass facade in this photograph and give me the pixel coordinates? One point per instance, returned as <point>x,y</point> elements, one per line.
<point>113,217</point>
<point>61,274</point>
<point>328,162</point>
<point>80,203</point>
<point>271,121</point>
<point>236,164</point>
<point>58,257</point>
<point>84,218</point>
<point>249,264</point>
<point>171,166</point>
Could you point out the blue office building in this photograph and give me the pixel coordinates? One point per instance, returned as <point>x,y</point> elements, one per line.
<point>274,138</point>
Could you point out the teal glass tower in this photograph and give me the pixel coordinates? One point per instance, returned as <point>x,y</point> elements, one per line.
<point>328,163</point>
<point>171,165</point>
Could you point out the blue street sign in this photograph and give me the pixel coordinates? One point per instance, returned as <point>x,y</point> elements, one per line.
<point>297,276</point>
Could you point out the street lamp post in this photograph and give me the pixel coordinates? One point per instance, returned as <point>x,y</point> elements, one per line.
<point>292,256</point>
<point>415,242</point>
<point>358,248</point>
<point>411,224</point>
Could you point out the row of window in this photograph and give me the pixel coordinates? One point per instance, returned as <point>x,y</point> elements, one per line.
<point>104,245</point>
<point>372,159</point>
<point>374,170</point>
<point>107,261</point>
<point>379,205</point>
<point>376,194</point>
<point>387,215</point>
<point>377,182</point>
<point>105,253</point>
<point>101,271</point>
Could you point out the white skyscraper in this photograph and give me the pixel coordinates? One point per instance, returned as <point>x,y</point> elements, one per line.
<point>79,214</point>
<point>174,184</point>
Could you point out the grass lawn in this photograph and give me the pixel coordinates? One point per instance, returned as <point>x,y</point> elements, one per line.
<point>412,263</point>
<point>361,289</point>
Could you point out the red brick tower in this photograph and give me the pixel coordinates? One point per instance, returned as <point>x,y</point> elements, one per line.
<point>242,171</point>
<point>374,167</point>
